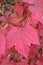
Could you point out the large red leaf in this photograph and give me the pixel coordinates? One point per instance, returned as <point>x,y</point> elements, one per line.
<point>22,38</point>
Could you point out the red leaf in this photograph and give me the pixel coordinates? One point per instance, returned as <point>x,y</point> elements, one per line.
<point>36,13</point>
<point>22,37</point>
